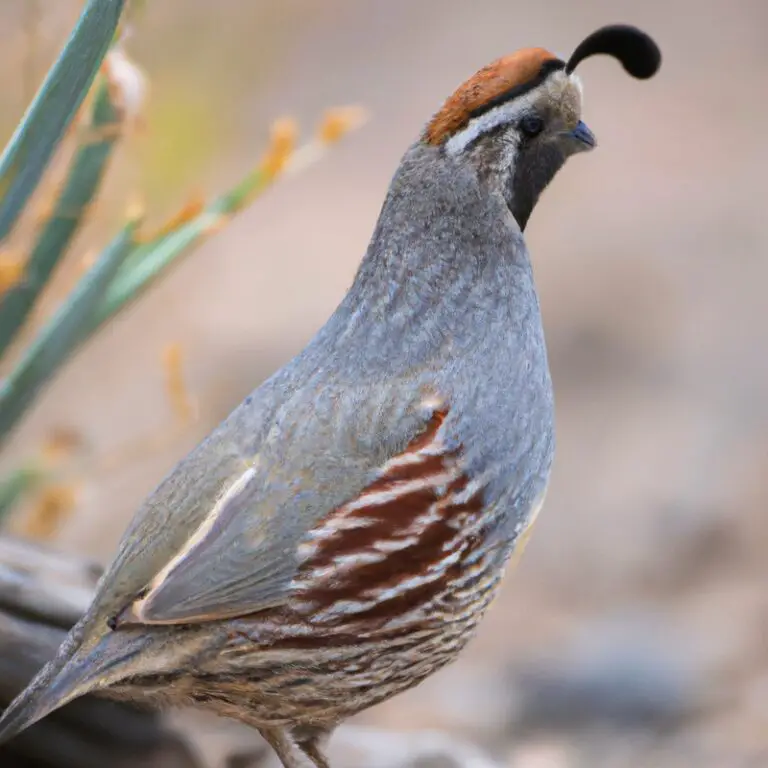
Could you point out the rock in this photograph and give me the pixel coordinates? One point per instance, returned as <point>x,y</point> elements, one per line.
<point>544,754</point>
<point>694,540</point>
<point>354,746</point>
<point>217,742</point>
<point>623,674</point>
<point>41,594</point>
<point>466,698</point>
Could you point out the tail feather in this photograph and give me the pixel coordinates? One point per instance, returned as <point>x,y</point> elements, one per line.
<point>75,671</point>
<point>32,704</point>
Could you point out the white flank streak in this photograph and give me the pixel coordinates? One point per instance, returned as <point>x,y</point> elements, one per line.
<point>472,488</point>
<point>353,523</point>
<point>365,557</point>
<point>379,551</point>
<point>375,596</point>
<point>382,594</point>
<point>377,498</point>
<point>346,523</point>
<point>318,574</point>
<point>435,448</point>
<point>345,606</point>
<point>403,460</point>
<point>474,556</point>
<point>433,403</point>
<point>307,549</point>
<point>433,514</point>
<point>441,565</point>
<point>458,521</point>
<point>451,543</point>
<point>388,546</point>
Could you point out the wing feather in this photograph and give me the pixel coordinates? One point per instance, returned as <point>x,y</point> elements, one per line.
<point>240,560</point>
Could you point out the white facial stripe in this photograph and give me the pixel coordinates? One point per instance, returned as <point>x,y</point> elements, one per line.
<point>510,112</point>
<point>505,114</point>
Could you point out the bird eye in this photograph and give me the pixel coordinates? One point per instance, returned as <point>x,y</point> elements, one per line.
<point>531,125</point>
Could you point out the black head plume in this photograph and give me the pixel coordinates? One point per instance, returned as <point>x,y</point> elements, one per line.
<point>638,53</point>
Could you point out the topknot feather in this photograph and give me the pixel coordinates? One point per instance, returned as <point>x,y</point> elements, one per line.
<point>513,75</point>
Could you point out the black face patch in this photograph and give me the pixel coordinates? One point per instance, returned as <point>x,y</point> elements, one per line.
<point>536,164</point>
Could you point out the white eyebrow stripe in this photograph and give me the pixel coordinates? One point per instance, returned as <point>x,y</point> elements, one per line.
<point>505,113</point>
<point>510,111</point>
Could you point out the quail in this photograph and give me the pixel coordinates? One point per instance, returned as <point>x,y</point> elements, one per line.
<point>338,537</point>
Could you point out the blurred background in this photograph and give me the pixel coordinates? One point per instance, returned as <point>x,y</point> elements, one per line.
<point>634,631</point>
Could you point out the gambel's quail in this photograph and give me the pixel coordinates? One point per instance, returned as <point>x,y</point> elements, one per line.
<point>339,536</point>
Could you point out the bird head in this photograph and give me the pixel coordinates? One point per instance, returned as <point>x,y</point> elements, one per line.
<point>519,118</point>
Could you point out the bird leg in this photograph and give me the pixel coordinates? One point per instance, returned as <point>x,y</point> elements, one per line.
<point>312,746</point>
<point>284,747</point>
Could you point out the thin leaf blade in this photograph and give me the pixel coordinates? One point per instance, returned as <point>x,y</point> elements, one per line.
<point>16,485</point>
<point>80,187</point>
<point>29,151</point>
<point>63,333</point>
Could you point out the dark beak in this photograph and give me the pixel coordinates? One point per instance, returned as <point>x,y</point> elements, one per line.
<point>584,138</point>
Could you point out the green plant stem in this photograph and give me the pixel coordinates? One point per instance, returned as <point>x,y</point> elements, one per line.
<point>62,335</point>
<point>149,260</point>
<point>80,186</point>
<point>31,147</point>
<point>15,485</point>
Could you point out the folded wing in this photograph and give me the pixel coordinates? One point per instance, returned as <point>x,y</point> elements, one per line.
<point>241,560</point>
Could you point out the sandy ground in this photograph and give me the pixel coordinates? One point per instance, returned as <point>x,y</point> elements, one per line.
<point>643,590</point>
